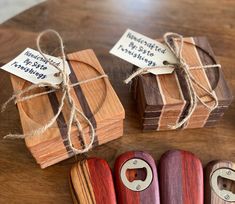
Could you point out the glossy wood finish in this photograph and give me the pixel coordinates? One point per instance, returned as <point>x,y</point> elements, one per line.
<point>96,99</point>
<point>180,178</point>
<point>127,196</point>
<point>165,98</point>
<point>91,182</point>
<point>98,25</point>
<point>210,196</point>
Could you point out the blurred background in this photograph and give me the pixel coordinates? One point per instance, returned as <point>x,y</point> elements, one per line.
<point>9,8</point>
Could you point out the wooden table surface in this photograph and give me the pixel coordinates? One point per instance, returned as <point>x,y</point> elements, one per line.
<point>98,25</point>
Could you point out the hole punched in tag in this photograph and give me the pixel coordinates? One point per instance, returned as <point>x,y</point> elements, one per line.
<point>166,62</point>
<point>223,184</point>
<point>136,174</point>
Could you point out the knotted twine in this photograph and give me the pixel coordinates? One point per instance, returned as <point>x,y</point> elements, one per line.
<point>189,78</point>
<point>64,87</point>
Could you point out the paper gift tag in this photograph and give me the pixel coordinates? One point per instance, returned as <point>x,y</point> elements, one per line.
<point>144,52</point>
<point>31,66</point>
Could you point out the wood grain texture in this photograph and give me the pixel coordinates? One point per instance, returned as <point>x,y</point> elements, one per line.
<point>91,182</point>
<point>98,25</point>
<point>180,178</point>
<point>210,196</point>
<point>127,196</point>
<point>96,99</point>
<point>165,98</point>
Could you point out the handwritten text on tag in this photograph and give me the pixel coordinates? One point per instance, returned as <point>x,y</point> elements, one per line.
<point>143,52</point>
<point>31,66</point>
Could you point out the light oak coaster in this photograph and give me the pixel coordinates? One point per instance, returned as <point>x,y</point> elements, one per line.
<point>96,99</point>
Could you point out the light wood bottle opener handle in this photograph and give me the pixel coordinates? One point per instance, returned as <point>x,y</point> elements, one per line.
<point>220,183</point>
<point>91,182</point>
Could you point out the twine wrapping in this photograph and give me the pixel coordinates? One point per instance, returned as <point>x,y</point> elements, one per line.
<point>64,87</point>
<point>189,78</point>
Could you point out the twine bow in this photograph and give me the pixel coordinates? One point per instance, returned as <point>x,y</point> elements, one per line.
<point>189,78</point>
<point>64,87</point>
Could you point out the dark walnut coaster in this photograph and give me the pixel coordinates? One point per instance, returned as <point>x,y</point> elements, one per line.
<point>136,179</point>
<point>163,100</point>
<point>220,183</point>
<point>180,178</point>
<point>96,99</point>
<point>91,182</point>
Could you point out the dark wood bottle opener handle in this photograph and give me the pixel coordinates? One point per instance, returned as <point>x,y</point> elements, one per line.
<point>220,183</point>
<point>180,178</point>
<point>91,182</point>
<point>136,179</point>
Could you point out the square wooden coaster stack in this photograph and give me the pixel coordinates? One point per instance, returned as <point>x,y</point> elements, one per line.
<point>96,99</point>
<point>163,100</point>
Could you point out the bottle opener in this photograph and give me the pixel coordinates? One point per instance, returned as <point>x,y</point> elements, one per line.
<point>220,183</point>
<point>180,178</point>
<point>91,182</point>
<point>136,179</point>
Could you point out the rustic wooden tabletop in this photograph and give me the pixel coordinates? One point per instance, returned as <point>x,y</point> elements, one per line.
<point>98,25</point>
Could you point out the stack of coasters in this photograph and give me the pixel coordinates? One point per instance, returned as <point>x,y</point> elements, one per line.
<point>96,99</point>
<point>163,100</point>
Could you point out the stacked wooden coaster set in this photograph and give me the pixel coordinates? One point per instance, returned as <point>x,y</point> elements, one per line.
<point>96,99</point>
<point>163,100</point>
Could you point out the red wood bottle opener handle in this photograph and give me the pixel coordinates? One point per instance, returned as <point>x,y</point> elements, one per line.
<point>91,182</point>
<point>180,178</point>
<point>136,179</point>
<point>220,183</point>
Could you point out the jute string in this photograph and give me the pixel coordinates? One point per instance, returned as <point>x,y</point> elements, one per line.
<point>63,87</point>
<point>189,78</point>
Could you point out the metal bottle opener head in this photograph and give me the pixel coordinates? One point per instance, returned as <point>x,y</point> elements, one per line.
<point>136,185</point>
<point>224,173</point>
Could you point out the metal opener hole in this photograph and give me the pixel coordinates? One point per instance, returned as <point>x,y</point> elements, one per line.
<point>136,174</point>
<point>226,184</point>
